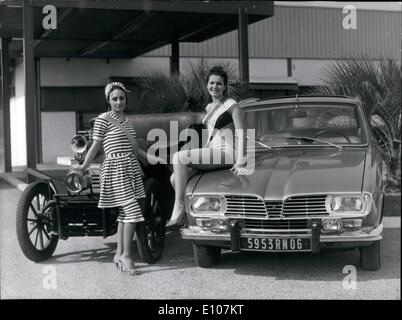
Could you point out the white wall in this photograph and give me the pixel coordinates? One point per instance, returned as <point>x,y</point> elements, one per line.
<point>308,72</point>
<point>17,118</point>
<point>261,70</point>
<point>18,132</point>
<point>58,128</point>
<point>95,72</point>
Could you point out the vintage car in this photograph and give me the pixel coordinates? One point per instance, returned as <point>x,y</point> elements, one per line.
<point>316,185</point>
<point>55,207</point>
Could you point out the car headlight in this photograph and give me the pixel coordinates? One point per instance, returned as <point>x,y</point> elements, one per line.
<point>348,203</point>
<point>76,181</point>
<point>206,204</point>
<point>79,143</point>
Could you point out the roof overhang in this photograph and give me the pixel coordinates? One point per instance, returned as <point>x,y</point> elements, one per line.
<point>124,29</point>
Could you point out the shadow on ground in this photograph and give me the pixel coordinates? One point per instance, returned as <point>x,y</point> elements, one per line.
<point>178,254</point>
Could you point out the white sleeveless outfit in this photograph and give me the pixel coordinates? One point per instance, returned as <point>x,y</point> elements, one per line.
<point>220,127</point>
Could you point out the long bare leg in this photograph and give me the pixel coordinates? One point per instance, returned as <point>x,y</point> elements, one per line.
<point>197,158</point>
<point>119,250</point>
<point>127,256</point>
<point>179,181</point>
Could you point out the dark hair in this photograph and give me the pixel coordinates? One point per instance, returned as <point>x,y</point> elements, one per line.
<point>218,71</point>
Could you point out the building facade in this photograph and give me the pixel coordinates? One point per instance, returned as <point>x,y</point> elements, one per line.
<point>286,51</point>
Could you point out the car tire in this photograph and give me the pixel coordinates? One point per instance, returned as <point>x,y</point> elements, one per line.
<point>32,200</point>
<point>151,232</point>
<point>370,256</point>
<point>206,256</point>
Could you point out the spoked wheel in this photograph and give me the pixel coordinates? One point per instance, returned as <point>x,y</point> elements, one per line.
<point>35,213</point>
<point>151,232</point>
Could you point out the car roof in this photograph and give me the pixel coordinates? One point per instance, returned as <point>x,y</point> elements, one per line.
<point>252,102</point>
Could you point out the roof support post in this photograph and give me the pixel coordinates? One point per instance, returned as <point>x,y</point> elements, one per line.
<point>243,49</point>
<point>175,59</point>
<point>31,114</point>
<point>5,89</point>
<point>38,111</point>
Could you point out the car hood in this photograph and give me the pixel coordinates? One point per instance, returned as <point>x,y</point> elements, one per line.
<point>282,173</point>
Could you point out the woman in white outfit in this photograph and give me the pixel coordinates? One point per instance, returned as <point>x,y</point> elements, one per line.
<point>222,115</point>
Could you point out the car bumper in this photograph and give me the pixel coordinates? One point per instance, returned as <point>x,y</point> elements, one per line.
<point>346,238</point>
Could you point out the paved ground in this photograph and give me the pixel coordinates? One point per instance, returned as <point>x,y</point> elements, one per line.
<point>82,268</point>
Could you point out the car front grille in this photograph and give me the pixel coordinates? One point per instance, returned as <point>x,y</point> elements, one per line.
<point>280,225</point>
<point>274,209</point>
<point>245,206</point>
<point>311,205</point>
<point>301,206</point>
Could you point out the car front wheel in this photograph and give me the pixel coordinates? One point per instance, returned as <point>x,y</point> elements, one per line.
<point>206,256</point>
<point>35,213</point>
<point>370,256</point>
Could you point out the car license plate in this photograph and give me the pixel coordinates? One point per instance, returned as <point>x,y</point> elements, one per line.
<point>275,244</point>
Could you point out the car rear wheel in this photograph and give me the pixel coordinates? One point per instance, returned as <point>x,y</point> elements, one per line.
<point>370,259</point>
<point>33,223</point>
<point>206,256</point>
<point>151,232</point>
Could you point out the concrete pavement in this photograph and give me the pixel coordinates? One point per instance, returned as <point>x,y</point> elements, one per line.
<point>83,270</point>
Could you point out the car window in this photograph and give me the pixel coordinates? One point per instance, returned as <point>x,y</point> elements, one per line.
<point>339,124</point>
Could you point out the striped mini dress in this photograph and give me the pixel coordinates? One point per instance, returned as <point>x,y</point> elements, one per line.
<point>121,183</point>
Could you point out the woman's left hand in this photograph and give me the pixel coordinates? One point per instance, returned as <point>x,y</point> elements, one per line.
<point>239,169</point>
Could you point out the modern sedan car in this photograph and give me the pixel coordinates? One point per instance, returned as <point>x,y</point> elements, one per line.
<point>316,184</point>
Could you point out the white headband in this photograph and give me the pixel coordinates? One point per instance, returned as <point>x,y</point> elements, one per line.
<point>109,87</point>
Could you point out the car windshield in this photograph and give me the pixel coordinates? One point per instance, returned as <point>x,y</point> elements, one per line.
<point>305,125</point>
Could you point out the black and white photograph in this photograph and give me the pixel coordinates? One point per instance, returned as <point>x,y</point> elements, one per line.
<point>202,155</point>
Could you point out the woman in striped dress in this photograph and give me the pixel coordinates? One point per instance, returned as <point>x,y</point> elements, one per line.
<point>121,182</point>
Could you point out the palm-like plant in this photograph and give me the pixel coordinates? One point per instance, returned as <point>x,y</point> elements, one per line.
<point>378,85</point>
<point>161,92</point>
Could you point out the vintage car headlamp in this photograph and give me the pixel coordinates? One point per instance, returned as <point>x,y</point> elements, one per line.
<point>205,204</point>
<point>348,203</point>
<point>79,143</point>
<point>75,181</point>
